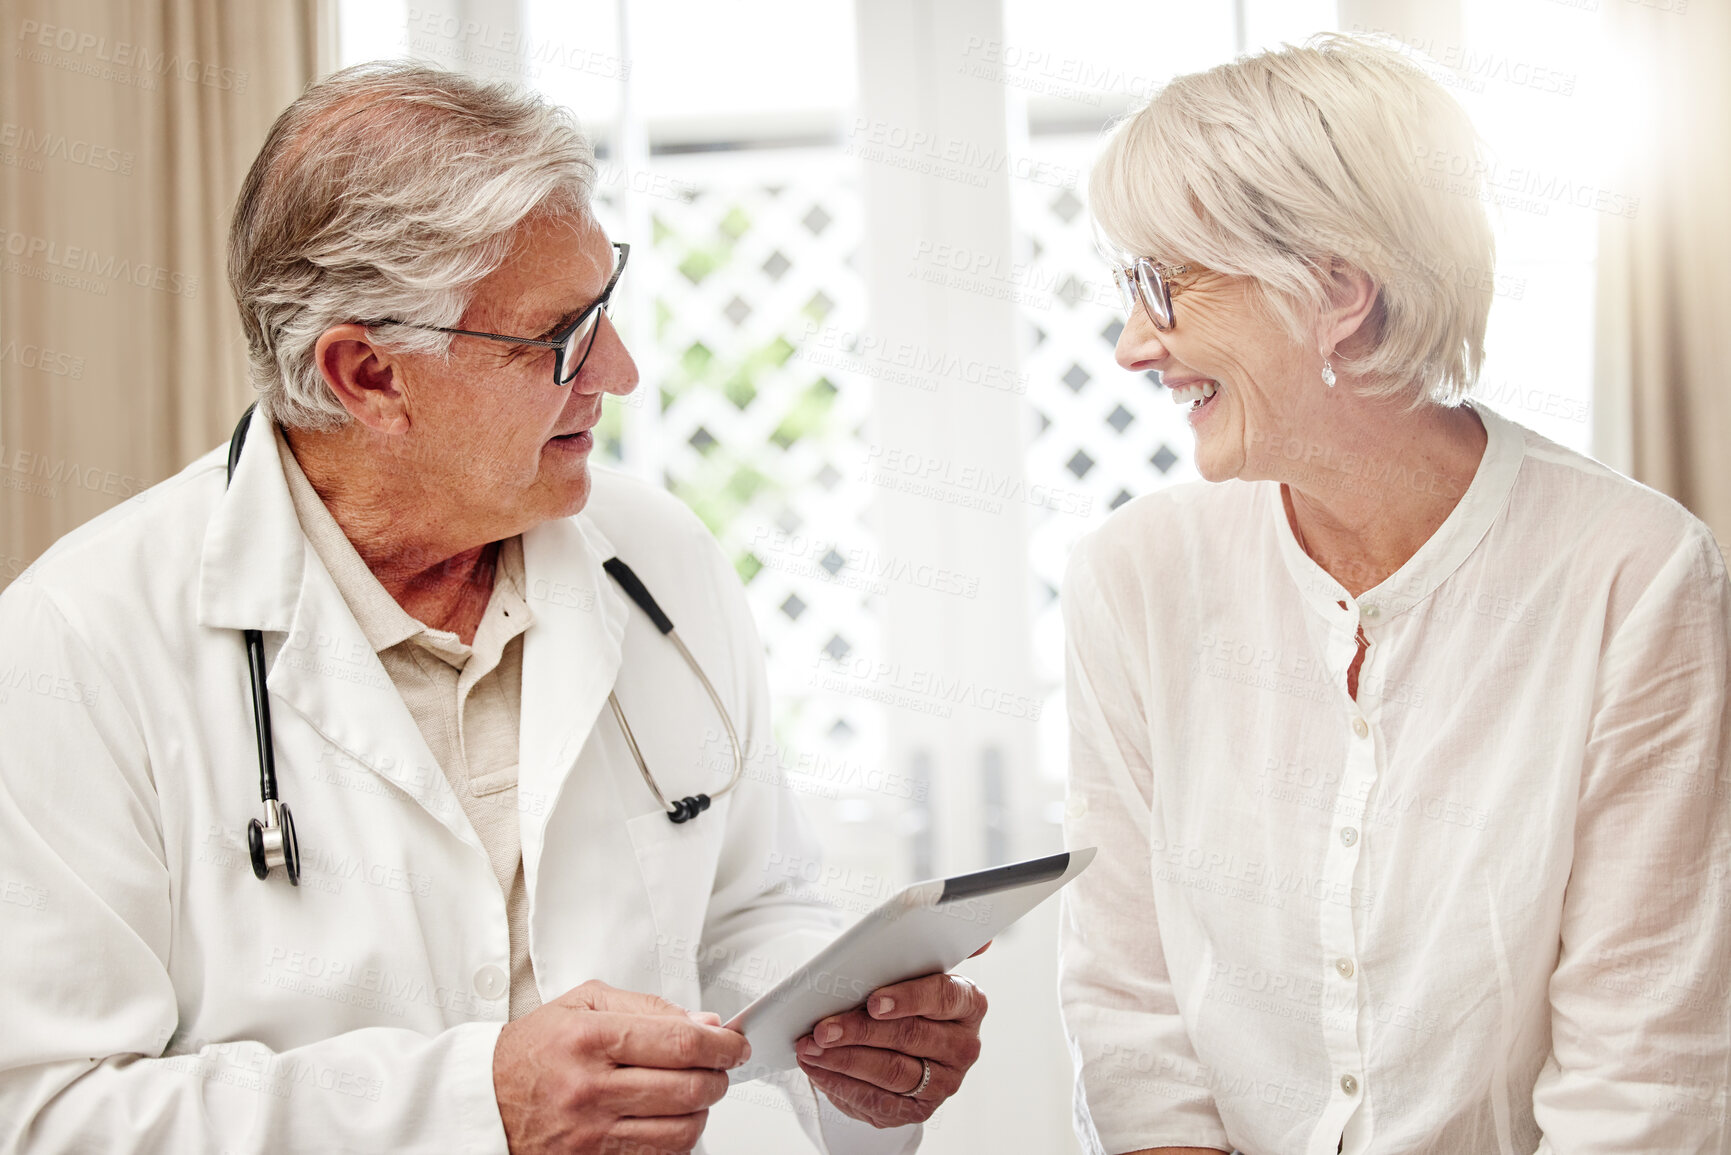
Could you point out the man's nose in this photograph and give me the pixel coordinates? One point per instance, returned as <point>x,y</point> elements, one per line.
<point>610,368</point>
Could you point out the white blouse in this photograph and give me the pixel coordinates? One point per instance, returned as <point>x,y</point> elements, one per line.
<point>1484,908</point>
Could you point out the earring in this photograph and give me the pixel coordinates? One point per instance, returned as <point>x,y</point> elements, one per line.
<point>1327,373</point>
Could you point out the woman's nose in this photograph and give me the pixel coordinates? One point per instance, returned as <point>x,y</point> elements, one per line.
<point>1139,345</point>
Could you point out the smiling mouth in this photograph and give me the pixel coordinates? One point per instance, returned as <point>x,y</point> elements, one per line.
<point>1194,394</point>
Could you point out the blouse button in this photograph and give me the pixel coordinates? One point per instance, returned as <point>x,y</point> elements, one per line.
<point>1348,836</point>
<point>1349,1084</point>
<point>1344,966</point>
<point>1361,727</point>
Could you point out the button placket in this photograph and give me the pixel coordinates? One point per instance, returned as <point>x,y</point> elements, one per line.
<point>1339,921</point>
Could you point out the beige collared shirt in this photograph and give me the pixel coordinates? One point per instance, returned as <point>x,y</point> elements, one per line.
<point>466,699</point>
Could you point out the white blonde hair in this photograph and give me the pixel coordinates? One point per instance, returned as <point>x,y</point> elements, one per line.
<point>1277,165</point>
<point>386,192</point>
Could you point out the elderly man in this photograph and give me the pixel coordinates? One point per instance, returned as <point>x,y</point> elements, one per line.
<point>489,930</point>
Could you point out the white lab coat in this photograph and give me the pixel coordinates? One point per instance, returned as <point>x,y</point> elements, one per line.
<point>159,998</point>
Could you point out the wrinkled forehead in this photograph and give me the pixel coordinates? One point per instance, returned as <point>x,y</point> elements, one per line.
<point>557,265</point>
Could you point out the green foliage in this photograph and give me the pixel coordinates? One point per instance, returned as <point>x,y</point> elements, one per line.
<point>806,416</point>
<point>735,224</point>
<point>726,480</point>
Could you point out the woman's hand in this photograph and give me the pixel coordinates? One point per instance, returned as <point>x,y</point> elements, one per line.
<point>871,1062</point>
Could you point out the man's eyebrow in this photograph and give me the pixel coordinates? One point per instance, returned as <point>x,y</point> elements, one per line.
<point>561,321</point>
<point>565,319</point>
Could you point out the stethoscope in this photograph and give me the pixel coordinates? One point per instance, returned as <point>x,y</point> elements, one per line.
<point>272,842</point>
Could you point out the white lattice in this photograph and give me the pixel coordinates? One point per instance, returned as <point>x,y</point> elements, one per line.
<point>753,265</point>
<point>1100,429</point>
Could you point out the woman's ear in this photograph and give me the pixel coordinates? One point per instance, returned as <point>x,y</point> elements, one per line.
<point>1352,301</point>
<point>364,377</point>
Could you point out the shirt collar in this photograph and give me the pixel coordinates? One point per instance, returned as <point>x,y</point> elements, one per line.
<point>1438,558</point>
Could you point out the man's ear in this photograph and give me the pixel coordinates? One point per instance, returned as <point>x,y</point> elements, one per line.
<point>365,378</point>
<point>1352,298</point>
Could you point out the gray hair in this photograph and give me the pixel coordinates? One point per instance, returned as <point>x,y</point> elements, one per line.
<point>386,192</point>
<point>1276,165</point>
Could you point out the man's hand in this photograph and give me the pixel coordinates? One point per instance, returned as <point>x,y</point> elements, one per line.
<point>605,1070</point>
<point>868,1060</point>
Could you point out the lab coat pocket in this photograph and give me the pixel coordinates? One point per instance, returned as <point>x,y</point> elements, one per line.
<point>678,862</point>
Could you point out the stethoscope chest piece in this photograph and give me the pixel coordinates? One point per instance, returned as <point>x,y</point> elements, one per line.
<point>273,842</point>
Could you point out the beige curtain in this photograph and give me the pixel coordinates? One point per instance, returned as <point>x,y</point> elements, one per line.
<point>125,131</point>
<point>1663,387</point>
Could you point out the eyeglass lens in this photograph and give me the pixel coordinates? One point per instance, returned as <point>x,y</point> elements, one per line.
<point>1126,290</point>
<point>1153,288</point>
<point>577,346</point>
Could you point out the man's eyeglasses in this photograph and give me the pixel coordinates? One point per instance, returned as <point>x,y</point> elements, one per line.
<point>1147,282</point>
<point>571,344</point>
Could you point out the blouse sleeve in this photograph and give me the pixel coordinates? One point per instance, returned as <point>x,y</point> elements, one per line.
<point>1139,1083</point>
<point>1641,996</point>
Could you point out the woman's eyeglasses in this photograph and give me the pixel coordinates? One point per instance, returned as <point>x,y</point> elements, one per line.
<point>1148,282</point>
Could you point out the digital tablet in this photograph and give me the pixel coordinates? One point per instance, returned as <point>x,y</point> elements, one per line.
<point>923,929</point>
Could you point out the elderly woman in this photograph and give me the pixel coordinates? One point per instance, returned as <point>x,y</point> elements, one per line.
<point>1403,735</point>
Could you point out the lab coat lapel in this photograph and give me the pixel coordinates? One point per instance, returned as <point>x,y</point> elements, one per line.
<point>328,672</point>
<point>571,658</point>
<point>249,576</point>
<point>258,571</point>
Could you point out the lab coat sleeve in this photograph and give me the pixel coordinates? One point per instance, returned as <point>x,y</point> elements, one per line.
<point>1641,995</point>
<point>761,922</point>
<point>1139,1083</point>
<point>89,1052</point>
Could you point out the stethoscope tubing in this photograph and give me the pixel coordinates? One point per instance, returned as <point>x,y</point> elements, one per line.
<point>273,842</point>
